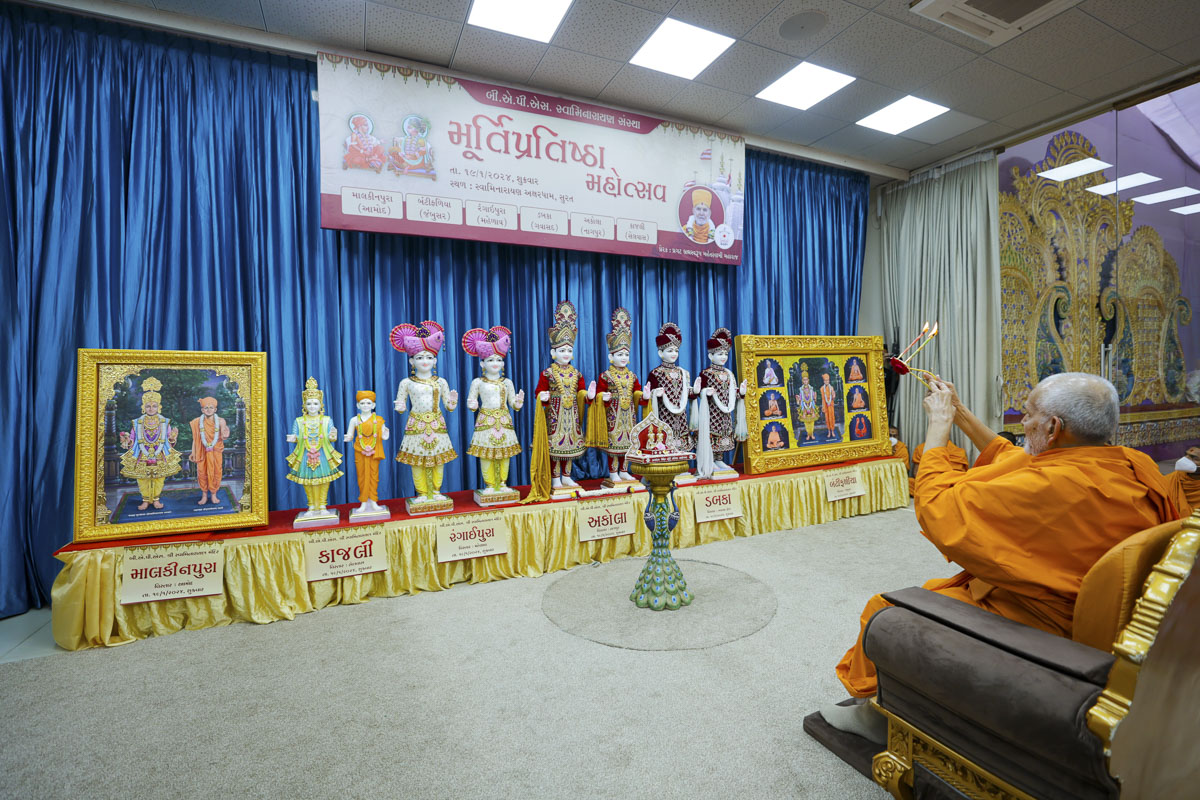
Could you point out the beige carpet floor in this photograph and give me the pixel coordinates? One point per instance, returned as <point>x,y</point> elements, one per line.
<point>476,692</point>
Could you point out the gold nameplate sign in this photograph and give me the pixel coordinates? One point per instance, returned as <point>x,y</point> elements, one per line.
<point>606,518</point>
<point>717,502</point>
<point>172,571</point>
<point>843,483</point>
<point>471,536</point>
<point>342,553</point>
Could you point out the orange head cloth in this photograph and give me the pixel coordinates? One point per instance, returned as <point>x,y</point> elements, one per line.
<point>701,196</point>
<point>208,402</point>
<point>364,395</point>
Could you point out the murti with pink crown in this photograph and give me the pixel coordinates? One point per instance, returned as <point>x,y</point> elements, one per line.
<point>494,442</point>
<point>426,445</point>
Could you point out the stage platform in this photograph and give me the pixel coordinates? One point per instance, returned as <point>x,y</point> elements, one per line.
<point>265,573</point>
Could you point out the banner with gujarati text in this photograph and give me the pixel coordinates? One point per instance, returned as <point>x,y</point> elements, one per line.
<point>409,151</point>
<point>717,501</point>
<point>843,483</point>
<point>606,517</point>
<point>343,552</point>
<point>461,536</point>
<point>172,571</point>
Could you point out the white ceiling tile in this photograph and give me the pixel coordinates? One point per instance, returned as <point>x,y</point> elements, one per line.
<point>1159,24</point>
<point>943,127</point>
<point>606,28</point>
<point>896,147</point>
<point>410,35</point>
<point>657,6</point>
<point>899,11</point>
<point>703,103</point>
<point>758,117</point>
<point>574,73</point>
<point>976,137</point>
<point>1043,110</point>
<point>1128,77</point>
<point>746,68</point>
<point>986,89</point>
<point>234,12</point>
<point>491,54</point>
<point>1068,50</point>
<point>806,127</point>
<point>852,140</point>
<point>882,50</point>
<point>838,15</point>
<point>1186,53</point>
<point>335,23</point>
<point>730,17</point>
<point>446,9</point>
<point>638,87</point>
<point>913,162</point>
<point>857,101</point>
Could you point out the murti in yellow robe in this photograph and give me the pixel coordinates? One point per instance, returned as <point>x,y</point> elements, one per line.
<point>1023,528</point>
<point>150,457</point>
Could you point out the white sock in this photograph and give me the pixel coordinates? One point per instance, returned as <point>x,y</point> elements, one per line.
<point>860,719</point>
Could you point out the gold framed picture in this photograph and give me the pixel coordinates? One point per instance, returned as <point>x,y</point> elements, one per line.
<point>812,400</point>
<point>169,442</point>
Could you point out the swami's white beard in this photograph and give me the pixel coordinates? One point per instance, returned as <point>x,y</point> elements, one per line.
<point>1036,442</point>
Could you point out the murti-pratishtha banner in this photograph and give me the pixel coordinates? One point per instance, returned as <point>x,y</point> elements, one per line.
<point>409,151</point>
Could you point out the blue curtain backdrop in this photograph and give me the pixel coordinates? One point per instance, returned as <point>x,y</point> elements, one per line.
<point>159,192</point>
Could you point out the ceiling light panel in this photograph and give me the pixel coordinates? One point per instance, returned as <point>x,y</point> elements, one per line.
<point>1123,183</point>
<point>529,19</point>
<point>1170,194</point>
<point>804,86</point>
<point>1192,209</point>
<point>905,113</point>
<point>679,49</point>
<point>1084,166</point>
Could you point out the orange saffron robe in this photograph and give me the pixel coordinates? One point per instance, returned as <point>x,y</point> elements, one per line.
<point>1185,490</point>
<point>900,451</point>
<point>368,435</point>
<point>958,457</point>
<point>1025,529</point>
<point>209,463</point>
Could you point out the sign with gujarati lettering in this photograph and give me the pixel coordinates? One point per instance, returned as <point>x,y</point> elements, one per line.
<point>606,517</point>
<point>172,571</point>
<point>341,553</point>
<point>471,536</point>
<point>843,483</point>
<point>408,151</point>
<point>722,501</point>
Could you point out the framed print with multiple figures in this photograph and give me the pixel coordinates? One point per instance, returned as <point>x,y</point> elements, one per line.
<point>169,442</point>
<point>812,400</point>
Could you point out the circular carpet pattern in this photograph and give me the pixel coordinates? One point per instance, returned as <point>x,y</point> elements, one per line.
<point>592,602</point>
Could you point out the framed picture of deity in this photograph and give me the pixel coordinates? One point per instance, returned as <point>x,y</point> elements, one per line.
<point>812,400</point>
<point>169,442</point>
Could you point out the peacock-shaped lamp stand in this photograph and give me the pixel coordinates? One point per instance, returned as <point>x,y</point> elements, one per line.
<point>661,584</point>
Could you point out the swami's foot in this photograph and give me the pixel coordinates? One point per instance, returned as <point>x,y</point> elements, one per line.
<point>158,504</point>
<point>203,499</point>
<point>145,504</point>
<point>861,719</point>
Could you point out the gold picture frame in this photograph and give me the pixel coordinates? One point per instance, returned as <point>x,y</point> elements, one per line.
<point>133,476</point>
<point>786,433</point>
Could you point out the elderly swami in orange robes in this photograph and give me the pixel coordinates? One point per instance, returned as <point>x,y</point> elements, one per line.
<point>1184,482</point>
<point>209,433</point>
<point>957,456</point>
<point>1025,525</point>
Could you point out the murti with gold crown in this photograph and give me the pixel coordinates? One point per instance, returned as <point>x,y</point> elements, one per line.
<point>620,393</point>
<point>426,444</point>
<point>368,432</point>
<point>558,434</point>
<point>494,441</point>
<point>150,456</point>
<point>313,463</point>
<point>807,402</point>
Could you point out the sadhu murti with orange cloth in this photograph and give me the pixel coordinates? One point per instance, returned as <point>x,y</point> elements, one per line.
<point>369,434</point>
<point>209,433</point>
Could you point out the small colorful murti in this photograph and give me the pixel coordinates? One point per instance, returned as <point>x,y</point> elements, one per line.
<point>426,445</point>
<point>669,390</point>
<point>313,463</point>
<point>368,432</point>
<point>150,456</point>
